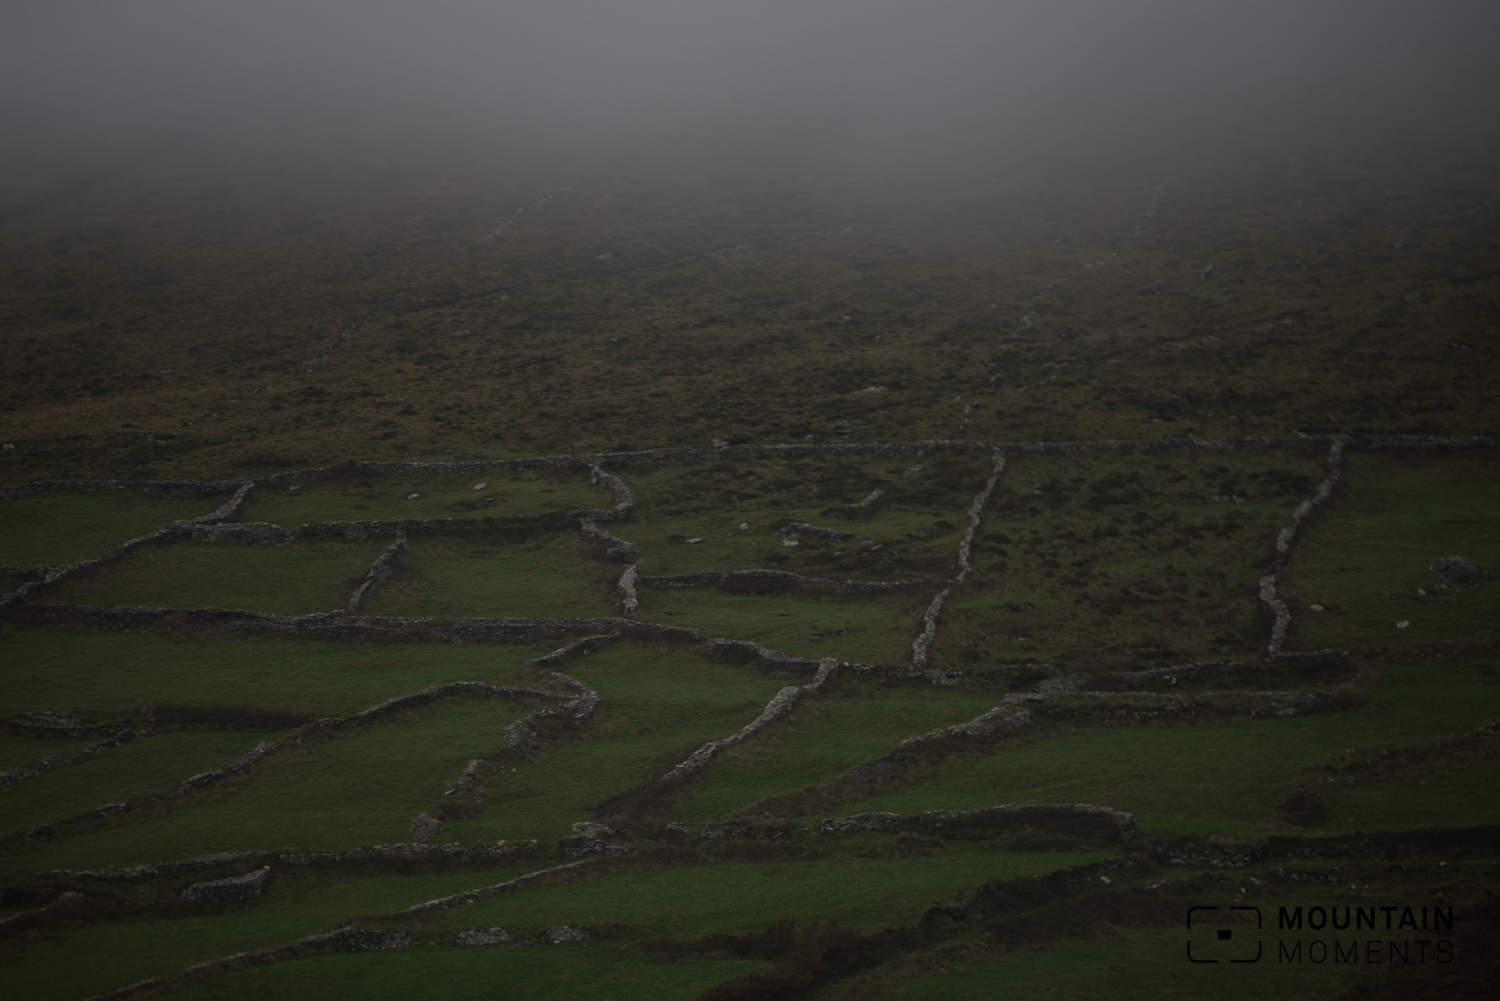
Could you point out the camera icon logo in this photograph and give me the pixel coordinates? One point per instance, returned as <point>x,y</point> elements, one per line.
<point>1224,935</point>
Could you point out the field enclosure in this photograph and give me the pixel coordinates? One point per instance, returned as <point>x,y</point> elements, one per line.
<point>384,722</point>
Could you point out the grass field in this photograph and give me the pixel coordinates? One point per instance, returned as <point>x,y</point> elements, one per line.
<point>62,529</point>
<point>1348,297</point>
<point>1365,561</point>
<point>297,577</point>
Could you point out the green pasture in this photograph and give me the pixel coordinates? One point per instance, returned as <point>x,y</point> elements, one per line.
<point>46,528</point>
<point>1366,555</point>
<point>370,495</point>
<point>104,676</point>
<point>1227,778</point>
<point>875,629</point>
<point>1124,560</point>
<point>825,736</point>
<point>19,750</point>
<point>129,773</point>
<point>710,501</point>
<point>549,576</point>
<point>297,577</point>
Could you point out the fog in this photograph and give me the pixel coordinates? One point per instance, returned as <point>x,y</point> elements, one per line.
<point>858,84</point>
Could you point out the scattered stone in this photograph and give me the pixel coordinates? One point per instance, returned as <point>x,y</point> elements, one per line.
<point>1403,623</point>
<point>424,825</point>
<point>471,937</point>
<point>7,447</point>
<point>1455,573</point>
<point>412,496</point>
<point>567,933</point>
<point>480,485</point>
<point>744,526</point>
<point>246,887</point>
<point>1316,608</point>
<point>1421,592</point>
<point>694,542</point>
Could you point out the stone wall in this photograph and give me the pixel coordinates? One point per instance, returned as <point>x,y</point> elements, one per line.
<point>1080,819</point>
<point>976,515</point>
<point>865,510</point>
<point>379,571</point>
<point>1282,616</point>
<point>239,766</point>
<point>781,704</point>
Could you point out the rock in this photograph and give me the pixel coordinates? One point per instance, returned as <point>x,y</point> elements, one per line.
<point>471,937</point>
<point>866,508</point>
<point>246,887</point>
<point>589,829</point>
<point>412,496</point>
<point>1455,573</point>
<point>567,933</point>
<point>1315,608</point>
<point>1403,623</point>
<point>694,542</point>
<point>580,845</point>
<point>424,825</point>
<point>480,485</point>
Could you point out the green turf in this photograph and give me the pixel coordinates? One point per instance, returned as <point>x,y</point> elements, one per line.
<point>1224,778</point>
<point>547,576</point>
<point>293,578</point>
<point>825,736</point>
<point>64,528</point>
<point>129,773</point>
<point>367,495</point>
<point>1365,557</point>
<point>55,669</point>
<point>1125,559</point>
<point>875,629</point>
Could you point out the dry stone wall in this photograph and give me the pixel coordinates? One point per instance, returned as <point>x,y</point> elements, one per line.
<point>1284,540</point>
<point>781,704</point>
<point>976,515</point>
<point>1085,819</point>
<point>239,766</point>
<point>379,572</point>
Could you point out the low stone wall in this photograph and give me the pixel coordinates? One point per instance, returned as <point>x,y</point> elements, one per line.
<point>976,515</point>
<point>615,548</point>
<point>765,657</point>
<point>449,690</point>
<point>239,766</point>
<point>1284,540</point>
<point>233,889</point>
<point>781,704</point>
<point>485,892</point>
<point>923,643</point>
<point>379,571</point>
<point>905,754</point>
<point>574,650</point>
<point>865,509</point>
<point>624,501</point>
<point>1098,823</point>
<point>242,532</point>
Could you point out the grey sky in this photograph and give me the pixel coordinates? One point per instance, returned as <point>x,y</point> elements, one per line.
<point>861,82</point>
